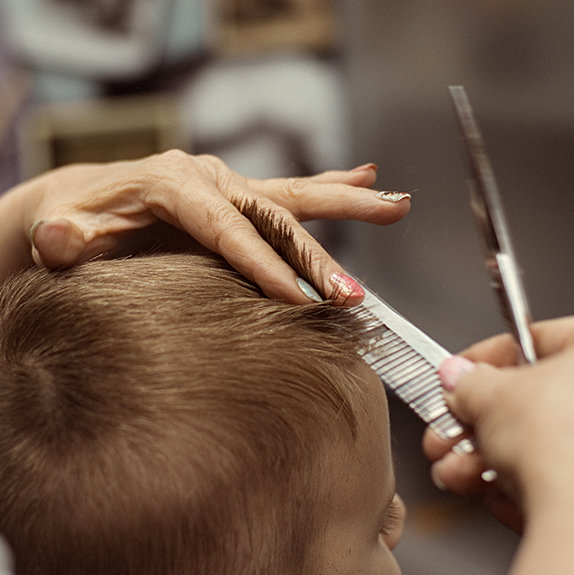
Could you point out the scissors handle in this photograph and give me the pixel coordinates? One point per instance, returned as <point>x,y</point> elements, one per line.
<point>491,222</point>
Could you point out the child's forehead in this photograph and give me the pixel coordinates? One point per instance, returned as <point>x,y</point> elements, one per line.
<point>357,479</point>
<point>372,390</point>
<point>372,439</point>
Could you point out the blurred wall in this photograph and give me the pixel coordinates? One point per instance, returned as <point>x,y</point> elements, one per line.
<point>516,59</point>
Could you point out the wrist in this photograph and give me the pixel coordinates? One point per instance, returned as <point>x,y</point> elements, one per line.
<point>18,208</point>
<point>546,546</point>
<point>548,491</point>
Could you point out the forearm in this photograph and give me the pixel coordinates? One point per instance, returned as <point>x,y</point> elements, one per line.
<point>547,543</point>
<point>15,246</point>
<point>522,418</point>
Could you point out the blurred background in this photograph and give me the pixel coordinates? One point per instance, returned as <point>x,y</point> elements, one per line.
<point>294,87</point>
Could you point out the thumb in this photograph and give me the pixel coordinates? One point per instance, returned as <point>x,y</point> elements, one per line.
<point>469,388</point>
<point>58,243</point>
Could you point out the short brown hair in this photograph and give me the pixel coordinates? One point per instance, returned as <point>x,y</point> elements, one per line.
<point>158,415</point>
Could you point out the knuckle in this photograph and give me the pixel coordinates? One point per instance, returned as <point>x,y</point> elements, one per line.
<point>216,168</point>
<point>176,159</point>
<point>259,270</point>
<point>225,179</point>
<point>173,156</point>
<point>212,160</point>
<point>167,164</point>
<point>314,254</point>
<point>295,188</point>
<point>225,225</point>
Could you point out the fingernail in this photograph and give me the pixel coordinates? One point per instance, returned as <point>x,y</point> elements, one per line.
<point>34,228</point>
<point>489,475</point>
<point>436,479</point>
<point>346,286</point>
<point>452,369</point>
<point>464,446</point>
<point>394,197</point>
<point>365,167</point>
<point>308,290</point>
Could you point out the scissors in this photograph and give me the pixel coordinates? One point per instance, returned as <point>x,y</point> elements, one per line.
<point>405,358</point>
<point>491,222</point>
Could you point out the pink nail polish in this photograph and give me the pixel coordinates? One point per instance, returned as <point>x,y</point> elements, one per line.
<point>451,370</point>
<point>346,287</point>
<point>365,167</point>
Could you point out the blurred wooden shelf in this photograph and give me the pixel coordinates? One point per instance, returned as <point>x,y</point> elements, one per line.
<point>256,26</point>
<point>101,130</point>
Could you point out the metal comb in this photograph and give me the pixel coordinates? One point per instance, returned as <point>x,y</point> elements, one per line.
<point>406,359</point>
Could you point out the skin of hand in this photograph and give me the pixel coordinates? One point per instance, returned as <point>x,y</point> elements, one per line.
<point>79,212</point>
<point>522,419</point>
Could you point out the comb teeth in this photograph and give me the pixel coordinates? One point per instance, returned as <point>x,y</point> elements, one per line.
<point>412,377</point>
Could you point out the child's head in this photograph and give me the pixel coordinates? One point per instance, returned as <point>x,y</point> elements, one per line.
<point>159,416</point>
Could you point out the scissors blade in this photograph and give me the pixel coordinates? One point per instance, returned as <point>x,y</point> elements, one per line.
<point>491,222</point>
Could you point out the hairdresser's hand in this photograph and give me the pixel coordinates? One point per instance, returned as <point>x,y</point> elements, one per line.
<point>87,210</point>
<point>522,419</point>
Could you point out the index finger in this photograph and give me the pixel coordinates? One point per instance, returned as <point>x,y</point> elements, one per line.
<point>435,447</point>
<point>220,226</point>
<point>550,337</point>
<point>335,195</point>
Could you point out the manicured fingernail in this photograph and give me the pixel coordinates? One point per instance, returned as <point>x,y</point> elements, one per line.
<point>308,290</point>
<point>34,228</point>
<point>436,479</point>
<point>365,167</point>
<point>346,287</point>
<point>394,197</point>
<point>489,475</point>
<point>464,446</point>
<point>452,369</point>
